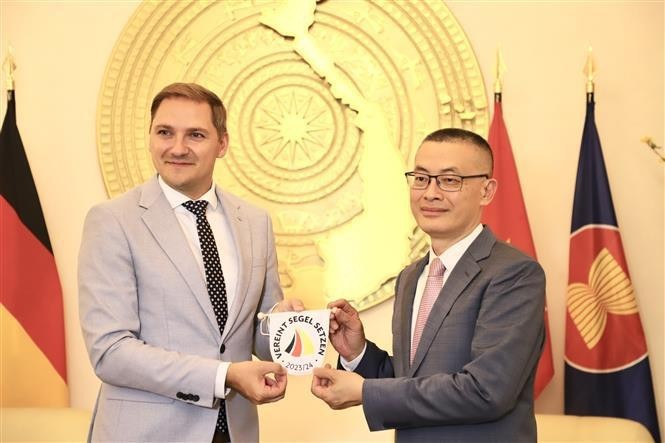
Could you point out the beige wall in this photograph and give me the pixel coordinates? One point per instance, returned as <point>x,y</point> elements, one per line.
<point>62,47</point>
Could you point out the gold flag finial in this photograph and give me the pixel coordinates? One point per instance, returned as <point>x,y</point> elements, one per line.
<point>9,66</point>
<point>499,69</point>
<point>589,71</point>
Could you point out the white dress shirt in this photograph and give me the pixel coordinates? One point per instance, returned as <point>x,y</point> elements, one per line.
<point>450,257</point>
<point>228,254</point>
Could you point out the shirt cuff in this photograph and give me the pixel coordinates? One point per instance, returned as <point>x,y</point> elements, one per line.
<point>353,364</point>
<point>221,390</point>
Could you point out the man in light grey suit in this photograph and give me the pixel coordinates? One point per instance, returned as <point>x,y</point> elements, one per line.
<point>467,321</point>
<point>169,298</point>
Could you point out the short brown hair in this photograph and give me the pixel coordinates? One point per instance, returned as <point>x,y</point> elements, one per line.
<point>462,135</point>
<point>197,93</point>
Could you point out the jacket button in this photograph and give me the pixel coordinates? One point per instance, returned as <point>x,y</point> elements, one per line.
<point>195,397</point>
<point>180,395</point>
<point>222,348</point>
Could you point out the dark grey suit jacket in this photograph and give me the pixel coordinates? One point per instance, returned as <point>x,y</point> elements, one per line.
<point>473,372</point>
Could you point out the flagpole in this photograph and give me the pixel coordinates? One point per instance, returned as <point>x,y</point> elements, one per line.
<point>9,66</point>
<point>499,69</point>
<point>589,71</point>
<point>606,366</point>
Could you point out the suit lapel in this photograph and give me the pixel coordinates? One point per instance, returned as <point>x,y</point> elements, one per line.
<point>406,295</point>
<point>240,230</point>
<point>462,274</point>
<point>164,226</point>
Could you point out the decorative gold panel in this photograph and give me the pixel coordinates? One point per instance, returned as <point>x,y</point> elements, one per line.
<point>327,104</point>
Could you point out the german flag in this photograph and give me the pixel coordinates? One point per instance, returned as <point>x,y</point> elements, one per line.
<point>33,367</point>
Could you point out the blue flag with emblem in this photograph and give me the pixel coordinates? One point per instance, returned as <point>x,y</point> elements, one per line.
<point>607,369</point>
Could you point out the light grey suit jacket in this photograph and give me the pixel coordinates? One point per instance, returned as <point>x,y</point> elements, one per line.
<point>473,372</point>
<point>149,326</point>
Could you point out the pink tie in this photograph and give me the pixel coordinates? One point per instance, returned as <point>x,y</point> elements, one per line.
<point>430,294</point>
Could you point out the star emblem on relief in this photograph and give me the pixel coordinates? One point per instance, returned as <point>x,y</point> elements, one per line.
<point>292,129</point>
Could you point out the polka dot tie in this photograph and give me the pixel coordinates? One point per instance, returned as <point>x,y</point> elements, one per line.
<point>430,294</point>
<point>214,280</point>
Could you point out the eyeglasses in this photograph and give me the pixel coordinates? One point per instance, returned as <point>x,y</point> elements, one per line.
<point>445,182</point>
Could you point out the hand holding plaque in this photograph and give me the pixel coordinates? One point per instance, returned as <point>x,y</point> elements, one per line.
<point>339,389</point>
<point>346,330</point>
<point>258,381</point>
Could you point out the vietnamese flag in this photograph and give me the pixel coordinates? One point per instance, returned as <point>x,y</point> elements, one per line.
<point>33,371</point>
<point>507,217</point>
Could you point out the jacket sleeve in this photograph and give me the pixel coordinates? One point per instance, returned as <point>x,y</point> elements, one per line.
<point>376,363</point>
<point>109,302</point>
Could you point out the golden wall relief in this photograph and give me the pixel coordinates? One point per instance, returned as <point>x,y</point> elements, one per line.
<point>327,103</point>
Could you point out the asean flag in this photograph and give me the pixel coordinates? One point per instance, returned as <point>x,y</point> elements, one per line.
<point>33,367</point>
<point>509,221</point>
<point>607,369</point>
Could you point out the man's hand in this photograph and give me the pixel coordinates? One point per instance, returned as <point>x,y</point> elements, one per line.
<point>346,330</point>
<point>290,305</point>
<point>339,389</point>
<point>258,381</point>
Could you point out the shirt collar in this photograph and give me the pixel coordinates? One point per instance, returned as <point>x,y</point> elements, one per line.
<point>452,255</point>
<point>176,198</point>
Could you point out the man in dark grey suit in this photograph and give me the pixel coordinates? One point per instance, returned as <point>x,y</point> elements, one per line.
<point>467,322</point>
<point>172,275</point>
